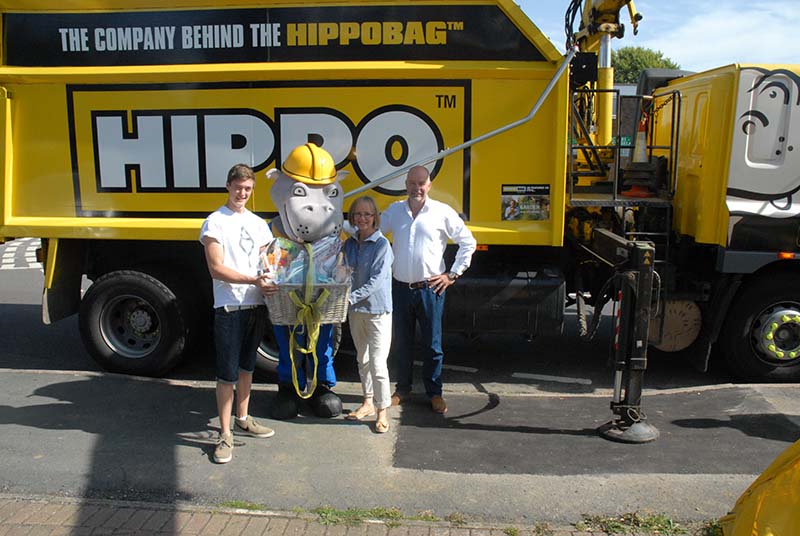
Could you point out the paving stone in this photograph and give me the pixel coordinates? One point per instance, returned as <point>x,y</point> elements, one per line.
<point>196,524</point>
<point>66,530</point>
<point>100,516</point>
<point>235,526</point>
<point>216,524</point>
<point>137,520</point>
<point>260,525</point>
<point>180,520</point>
<point>18,530</point>
<point>8,508</point>
<point>314,528</point>
<point>43,514</point>
<point>41,530</point>
<point>440,531</point>
<point>119,518</point>
<point>276,526</point>
<point>159,520</point>
<point>295,527</point>
<point>24,511</point>
<point>336,530</point>
<point>75,514</point>
<point>419,530</point>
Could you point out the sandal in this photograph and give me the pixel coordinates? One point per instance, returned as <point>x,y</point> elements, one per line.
<point>381,427</point>
<point>359,414</point>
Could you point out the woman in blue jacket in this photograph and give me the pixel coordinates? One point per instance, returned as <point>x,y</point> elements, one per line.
<point>369,253</point>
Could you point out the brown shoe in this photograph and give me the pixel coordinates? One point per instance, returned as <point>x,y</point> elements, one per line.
<point>438,405</point>
<point>399,398</point>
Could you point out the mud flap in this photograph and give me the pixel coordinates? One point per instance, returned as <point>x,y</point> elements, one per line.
<point>63,270</point>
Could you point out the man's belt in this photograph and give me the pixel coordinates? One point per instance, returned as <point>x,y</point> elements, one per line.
<point>418,285</point>
<point>231,308</point>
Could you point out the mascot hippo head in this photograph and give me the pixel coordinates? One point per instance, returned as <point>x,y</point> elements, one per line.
<point>307,194</point>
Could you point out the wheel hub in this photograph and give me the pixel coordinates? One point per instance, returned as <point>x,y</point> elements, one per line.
<point>129,325</point>
<point>140,321</point>
<point>779,336</point>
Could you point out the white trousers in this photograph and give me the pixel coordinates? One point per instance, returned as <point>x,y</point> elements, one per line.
<point>372,336</point>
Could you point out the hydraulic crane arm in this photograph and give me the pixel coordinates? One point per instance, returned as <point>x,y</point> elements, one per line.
<point>599,18</point>
<point>599,23</point>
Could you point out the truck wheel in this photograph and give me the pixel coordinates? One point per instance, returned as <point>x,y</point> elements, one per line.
<point>267,360</point>
<point>761,337</point>
<point>132,323</point>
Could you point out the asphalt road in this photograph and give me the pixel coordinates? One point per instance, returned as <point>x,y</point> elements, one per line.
<point>518,444</point>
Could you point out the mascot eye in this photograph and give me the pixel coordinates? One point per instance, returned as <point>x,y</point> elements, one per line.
<point>333,192</point>
<point>299,191</point>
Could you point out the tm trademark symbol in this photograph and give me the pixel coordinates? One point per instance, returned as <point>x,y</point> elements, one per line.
<point>446,101</point>
<point>455,25</point>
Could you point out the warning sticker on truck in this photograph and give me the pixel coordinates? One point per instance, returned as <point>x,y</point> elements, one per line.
<point>525,202</point>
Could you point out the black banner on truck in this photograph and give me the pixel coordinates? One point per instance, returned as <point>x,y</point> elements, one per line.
<point>347,33</point>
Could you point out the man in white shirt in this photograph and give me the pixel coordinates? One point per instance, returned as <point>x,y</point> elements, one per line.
<point>233,238</point>
<point>421,228</point>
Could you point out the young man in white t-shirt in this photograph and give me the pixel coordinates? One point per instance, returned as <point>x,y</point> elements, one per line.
<point>233,238</point>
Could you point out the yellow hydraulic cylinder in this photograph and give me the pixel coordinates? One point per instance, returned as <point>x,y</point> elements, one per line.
<point>605,105</point>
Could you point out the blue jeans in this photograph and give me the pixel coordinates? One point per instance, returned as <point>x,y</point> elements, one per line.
<point>237,336</point>
<point>410,306</point>
<point>325,373</point>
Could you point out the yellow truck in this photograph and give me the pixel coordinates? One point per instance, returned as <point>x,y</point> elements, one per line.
<point>120,119</point>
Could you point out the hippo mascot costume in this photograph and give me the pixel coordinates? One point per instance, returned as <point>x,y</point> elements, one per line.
<point>309,201</point>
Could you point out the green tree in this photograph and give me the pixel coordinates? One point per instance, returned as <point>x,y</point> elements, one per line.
<point>628,63</point>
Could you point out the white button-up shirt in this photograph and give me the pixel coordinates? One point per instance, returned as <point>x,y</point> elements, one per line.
<point>419,243</point>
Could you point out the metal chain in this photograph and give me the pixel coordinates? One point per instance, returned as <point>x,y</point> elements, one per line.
<point>661,106</point>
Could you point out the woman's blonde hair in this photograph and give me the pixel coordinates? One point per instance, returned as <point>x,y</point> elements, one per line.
<point>376,219</point>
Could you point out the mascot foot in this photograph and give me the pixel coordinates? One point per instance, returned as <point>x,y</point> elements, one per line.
<point>284,406</point>
<point>326,403</point>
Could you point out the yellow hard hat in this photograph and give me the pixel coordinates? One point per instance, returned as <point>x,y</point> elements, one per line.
<point>310,164</point>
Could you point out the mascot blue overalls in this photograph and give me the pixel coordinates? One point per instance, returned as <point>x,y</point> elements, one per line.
<point>309,202</point>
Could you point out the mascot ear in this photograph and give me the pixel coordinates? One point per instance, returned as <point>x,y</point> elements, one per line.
<point>274,174</point>
<point>341,174</point>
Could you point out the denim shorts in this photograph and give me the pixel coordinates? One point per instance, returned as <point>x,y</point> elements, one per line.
<point>237,335</point>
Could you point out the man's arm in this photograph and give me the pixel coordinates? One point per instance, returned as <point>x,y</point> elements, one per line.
<point>459,233</point>
<point>215,258</point>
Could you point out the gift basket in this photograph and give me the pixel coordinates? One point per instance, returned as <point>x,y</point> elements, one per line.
<point>313,281</point>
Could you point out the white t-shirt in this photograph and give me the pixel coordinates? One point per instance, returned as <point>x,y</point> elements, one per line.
<point>242,235</point>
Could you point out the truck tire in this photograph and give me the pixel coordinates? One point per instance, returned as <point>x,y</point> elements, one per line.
<point>761,336</point>
<point>267,360</point>
<point>131,323</point>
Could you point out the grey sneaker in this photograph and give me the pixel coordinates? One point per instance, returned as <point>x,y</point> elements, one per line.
<point>252,428</point>
<point>224,451</point>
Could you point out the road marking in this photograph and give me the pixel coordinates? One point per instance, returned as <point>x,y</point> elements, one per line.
<point>456,368</point>
<point>20,254</point>
<point>548,378</point>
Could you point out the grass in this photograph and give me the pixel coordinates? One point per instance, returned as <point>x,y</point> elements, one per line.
<point>243,505</point>
<point>710,528</point>
<point>423,515</point>
<point>633,523</point>
<point>354,516</point>
<point>456,519</point>
<point>542,529</point>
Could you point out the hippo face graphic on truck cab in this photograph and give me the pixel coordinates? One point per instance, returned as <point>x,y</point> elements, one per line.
<point>765,158</point>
